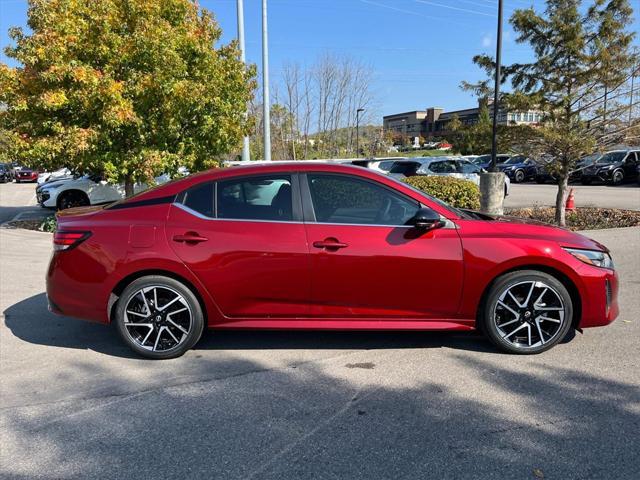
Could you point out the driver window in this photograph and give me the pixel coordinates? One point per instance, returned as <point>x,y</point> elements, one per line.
<point>341,199</point>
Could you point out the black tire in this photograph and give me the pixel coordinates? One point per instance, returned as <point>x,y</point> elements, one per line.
<point>72,199</point>
<point>489,314</point>
<point>617,177</point>
<point>519,176</point>
<point>187,342</point>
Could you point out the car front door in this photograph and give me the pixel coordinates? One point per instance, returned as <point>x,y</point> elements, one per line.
<point>248,246</point>
<point>367,262</point>
<point>631,165</point>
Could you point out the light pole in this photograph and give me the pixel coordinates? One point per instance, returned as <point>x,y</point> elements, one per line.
<point>358,112</point>
<point>266,114</point>
<point>246,152</point>
<point>492,182</point>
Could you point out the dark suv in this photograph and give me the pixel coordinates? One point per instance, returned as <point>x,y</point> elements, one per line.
<point>5,173</point>
<point>613,167</point>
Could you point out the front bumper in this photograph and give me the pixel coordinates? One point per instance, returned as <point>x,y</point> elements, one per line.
<point>602,175</point>
<point>599,296</point>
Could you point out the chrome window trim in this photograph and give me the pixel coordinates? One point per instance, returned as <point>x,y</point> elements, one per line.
<point>448,223</point>
<point>204,217</point>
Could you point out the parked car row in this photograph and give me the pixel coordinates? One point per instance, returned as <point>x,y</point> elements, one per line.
<point>457,167</point>
<point>614,167</point>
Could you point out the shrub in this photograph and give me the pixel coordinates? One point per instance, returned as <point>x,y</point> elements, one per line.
<point>454,191</point>
<point>49,224</point>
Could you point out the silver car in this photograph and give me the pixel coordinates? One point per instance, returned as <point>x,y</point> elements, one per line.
<point>456,167</point>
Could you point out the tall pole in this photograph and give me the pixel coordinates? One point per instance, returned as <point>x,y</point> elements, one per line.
<point>633,76</point>
<point>496,93</point>
<point>246,152</point>
<point>358,111</point>
<point>266,114</point>
<point>492,182</point>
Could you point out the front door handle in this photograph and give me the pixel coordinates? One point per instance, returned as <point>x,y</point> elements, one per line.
<point>330,244</point>
<point>189,237</point>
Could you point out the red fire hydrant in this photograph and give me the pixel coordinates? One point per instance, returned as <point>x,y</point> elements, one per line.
<point>570,205</point>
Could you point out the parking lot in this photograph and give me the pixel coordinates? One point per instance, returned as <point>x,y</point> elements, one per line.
<point>77,403</point>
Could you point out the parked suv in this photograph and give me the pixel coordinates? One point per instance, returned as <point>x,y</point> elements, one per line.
<point>5,173</point>
<point>613,167</point>
<point>519,168</point>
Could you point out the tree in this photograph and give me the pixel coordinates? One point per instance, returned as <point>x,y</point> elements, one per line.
<point>128,88</point>
<point>581,55</point>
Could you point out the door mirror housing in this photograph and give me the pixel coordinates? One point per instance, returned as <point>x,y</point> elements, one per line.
<point>426,219</point>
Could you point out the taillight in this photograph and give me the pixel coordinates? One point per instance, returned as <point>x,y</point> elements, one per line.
<point>67,240</point>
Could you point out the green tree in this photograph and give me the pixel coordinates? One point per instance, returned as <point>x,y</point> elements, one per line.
<point>578,52</point>
<point>128,88</point>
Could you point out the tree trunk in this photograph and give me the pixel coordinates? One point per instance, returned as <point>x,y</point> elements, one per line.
<point>561,198</point>
<point>128,187</point>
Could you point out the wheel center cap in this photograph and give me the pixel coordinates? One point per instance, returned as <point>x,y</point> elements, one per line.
<point>527,314</point>
<point>158,318</point>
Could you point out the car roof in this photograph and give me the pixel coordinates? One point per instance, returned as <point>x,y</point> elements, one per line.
<point>258,168</point>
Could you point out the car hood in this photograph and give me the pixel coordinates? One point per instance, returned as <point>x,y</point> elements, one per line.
<point>535,229</point>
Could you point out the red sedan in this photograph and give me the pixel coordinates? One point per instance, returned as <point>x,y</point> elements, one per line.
<point>318,246</point>
<point>26,175</point>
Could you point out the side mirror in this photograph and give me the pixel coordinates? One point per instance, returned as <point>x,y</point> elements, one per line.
<point>426,219</point>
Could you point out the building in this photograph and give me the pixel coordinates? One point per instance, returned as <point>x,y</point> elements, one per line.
<point>433,121</point>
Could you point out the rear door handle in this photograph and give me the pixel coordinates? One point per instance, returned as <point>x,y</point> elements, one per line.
<point>330,244</point>
<point>189,238</point>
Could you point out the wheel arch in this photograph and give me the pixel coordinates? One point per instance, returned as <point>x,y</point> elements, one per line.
<point>71,190</point>
<point>568,283</point>
<point>122,284</point>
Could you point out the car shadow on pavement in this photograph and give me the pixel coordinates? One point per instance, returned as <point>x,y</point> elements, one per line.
<point>483,418</point>
<point>31,321</point>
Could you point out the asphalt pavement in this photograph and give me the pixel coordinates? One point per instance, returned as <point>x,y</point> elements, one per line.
<point>626,196</point>
<point>76,403</point>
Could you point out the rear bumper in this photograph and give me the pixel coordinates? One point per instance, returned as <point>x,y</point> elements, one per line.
<point>75,286</point>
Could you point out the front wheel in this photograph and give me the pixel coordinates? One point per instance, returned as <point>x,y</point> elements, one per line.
<point>527,312</point>
<point>519,176</point>
<point>617,177</point>
<point>72,199</point>
<point>159,317</point>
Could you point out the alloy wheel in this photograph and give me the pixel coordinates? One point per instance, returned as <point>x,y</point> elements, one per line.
<point>618,177</point>
<point>529,314</point>
<point>519,176</point>
<point>157,318</point>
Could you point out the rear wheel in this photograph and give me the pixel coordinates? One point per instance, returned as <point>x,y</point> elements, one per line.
<point>159,317</point>
<point>71,199</point>
<point>527,312</point>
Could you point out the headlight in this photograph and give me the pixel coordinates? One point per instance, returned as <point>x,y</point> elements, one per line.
<point>592,257</point>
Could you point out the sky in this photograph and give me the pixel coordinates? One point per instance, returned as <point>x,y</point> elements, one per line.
<point>419,50</point>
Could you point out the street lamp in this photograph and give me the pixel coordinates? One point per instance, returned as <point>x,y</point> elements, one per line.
<point>358,112</point>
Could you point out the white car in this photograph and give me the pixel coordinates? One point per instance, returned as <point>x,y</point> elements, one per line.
<point>85,190</point>
<point>456,167</point>
<point>56,175</point>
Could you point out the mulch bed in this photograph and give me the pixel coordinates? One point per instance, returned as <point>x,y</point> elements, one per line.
<point>586,218</point>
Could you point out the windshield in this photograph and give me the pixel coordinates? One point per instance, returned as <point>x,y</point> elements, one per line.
<point>612,157</point>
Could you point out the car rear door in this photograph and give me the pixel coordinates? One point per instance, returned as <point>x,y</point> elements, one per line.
<point>366,262</point>
<point>245,240</point>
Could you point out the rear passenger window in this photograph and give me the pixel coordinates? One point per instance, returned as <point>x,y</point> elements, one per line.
<point>199,199</point>
<point>255,198</point>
